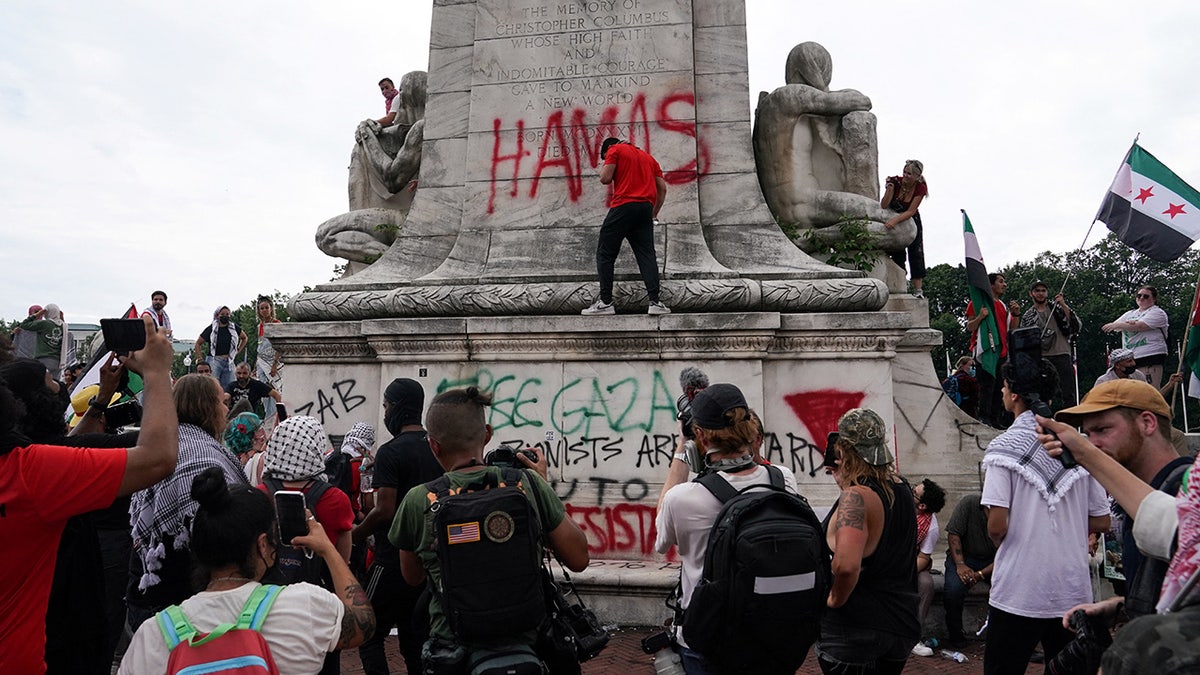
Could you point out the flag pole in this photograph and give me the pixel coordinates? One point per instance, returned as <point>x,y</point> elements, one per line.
<point>1083,243</point>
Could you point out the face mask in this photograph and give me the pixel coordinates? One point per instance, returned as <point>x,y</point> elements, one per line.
<point>224,320</point>
<point>971,371</point>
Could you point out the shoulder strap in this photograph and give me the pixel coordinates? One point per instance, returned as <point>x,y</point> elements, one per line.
<point>273,484</point>
<point>254,612</point>
<point>718,486</point>
<point>1174,480</point>
<point>313,494</point>
<point>175,626</point>
<point>776,477</point>
<point>439,486</point>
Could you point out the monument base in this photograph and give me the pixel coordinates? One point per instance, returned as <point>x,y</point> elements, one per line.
<point>598,396</point>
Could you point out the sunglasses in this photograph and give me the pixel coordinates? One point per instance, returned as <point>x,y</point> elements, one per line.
<point>1144,296</point>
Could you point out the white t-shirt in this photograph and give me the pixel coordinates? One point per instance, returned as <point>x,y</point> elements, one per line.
<point>930,541</point>
<point>687,514</point>
<point>394,107</point>
<point>1041,567</point>
<point>1146,342</point>
<point>302,626</point>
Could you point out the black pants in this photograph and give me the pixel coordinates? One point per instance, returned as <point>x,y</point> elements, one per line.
<point>1067,397</point>
<point>635,222</point>
<point>393,601</point>
<point>1011,640</point>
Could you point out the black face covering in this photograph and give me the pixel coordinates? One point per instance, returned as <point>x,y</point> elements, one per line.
<point>224,320</point>
<point>407,398</point>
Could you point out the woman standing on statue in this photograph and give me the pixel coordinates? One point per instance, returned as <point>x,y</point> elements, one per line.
<point>904,194</point>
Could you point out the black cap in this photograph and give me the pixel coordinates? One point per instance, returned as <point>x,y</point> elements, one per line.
<point>1037,283</point>
<point>711,404</point>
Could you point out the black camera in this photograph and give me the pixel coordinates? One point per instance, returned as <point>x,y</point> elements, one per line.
<point>1025,358</point>
<point>683,413</point>
<point>653,644</point>
<point>1082,655</point>
<point>581,624</point>
<point>124,414</point>
<point>506,457</point>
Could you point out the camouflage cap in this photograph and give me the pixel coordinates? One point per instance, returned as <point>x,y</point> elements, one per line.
<point>864,430</point>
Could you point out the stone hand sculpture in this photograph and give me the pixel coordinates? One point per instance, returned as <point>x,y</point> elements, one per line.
<point>384,166</point>
<point>817,156</point>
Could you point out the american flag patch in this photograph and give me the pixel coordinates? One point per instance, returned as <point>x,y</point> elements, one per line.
<point>463,533</point>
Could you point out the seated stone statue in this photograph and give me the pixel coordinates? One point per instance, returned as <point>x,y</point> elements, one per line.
<point>817,156</point>
<point>384,166</point>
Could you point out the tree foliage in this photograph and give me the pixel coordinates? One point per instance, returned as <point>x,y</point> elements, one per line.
<point>1101,282</point>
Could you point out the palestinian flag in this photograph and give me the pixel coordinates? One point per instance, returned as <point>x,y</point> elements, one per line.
<point>1150,208</point>
<point>985,343</point>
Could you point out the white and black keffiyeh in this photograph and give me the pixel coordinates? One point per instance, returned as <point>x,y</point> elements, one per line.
<point>360,441</point>
<point>1018,449</point>
<point>165,509</point>
<point>296,450</point>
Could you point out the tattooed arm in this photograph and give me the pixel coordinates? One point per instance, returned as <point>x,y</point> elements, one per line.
<point>848,534</point>
<point>358,621</point>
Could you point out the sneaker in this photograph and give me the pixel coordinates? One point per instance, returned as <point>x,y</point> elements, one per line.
<point>658,308</point>
<point>921,650</point>
<point>600,307</point>
<point>918,293</point>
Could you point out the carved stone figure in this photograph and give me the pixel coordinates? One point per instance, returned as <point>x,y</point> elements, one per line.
<point>817,155</point>
<point>383,170</point>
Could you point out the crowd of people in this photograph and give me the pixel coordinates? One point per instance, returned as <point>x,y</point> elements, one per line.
<point>1143,350</point>
<point>181,518</point>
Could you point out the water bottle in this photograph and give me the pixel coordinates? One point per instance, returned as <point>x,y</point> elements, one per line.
<point>956,656</point>
<point>667,662</point>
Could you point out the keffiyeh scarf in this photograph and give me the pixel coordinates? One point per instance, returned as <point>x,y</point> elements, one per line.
<point>296,450</point>
<point>165,509</point>
<point>1018,449</point>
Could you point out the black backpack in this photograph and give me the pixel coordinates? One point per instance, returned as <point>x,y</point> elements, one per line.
<point>338,470</point>
<point>486,536</point>
<point>293,565</point>
<point>758,605</point>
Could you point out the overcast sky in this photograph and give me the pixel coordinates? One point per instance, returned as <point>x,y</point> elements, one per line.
<point>196,147</point>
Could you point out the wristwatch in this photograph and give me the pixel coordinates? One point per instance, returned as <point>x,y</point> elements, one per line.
<point>97,405</point>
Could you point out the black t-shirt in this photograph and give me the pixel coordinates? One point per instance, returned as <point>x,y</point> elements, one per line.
<point>224,339</point>
<point>402,463</point>
<point>255,390</point>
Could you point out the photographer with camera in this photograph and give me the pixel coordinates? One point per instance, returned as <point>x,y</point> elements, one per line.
<point>1058,326</point>
<point>476,535</point>
<point>1039,517</point>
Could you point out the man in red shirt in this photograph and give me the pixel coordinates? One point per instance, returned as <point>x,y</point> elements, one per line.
<point>638,193</point>
<point>41,486</point>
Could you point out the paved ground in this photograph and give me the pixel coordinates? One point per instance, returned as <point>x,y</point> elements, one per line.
<point>624,657</point>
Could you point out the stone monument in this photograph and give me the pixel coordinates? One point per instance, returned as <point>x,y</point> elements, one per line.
<point>504,221</point>
<point>489,268</point>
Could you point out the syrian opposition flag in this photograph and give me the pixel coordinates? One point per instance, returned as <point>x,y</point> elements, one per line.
<point>1150,208</point>
<point>985,343</point>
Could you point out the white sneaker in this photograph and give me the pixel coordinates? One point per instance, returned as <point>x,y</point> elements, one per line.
<point>600,307</point>
<point>922,650</point>
<point>658,308</point>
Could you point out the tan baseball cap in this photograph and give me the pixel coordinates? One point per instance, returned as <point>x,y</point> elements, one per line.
<point>1120,393</point>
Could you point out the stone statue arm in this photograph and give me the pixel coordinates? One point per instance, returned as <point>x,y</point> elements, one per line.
<point>909,213</point>
<point>404,168</point>
<point>801,99</point>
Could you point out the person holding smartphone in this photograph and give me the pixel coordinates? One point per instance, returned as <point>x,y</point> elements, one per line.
<point>235,540</point>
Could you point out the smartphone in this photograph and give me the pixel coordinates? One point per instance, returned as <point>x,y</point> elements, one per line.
<point>289,510</point>
<point>123,335</point>
<point>830,461</point>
